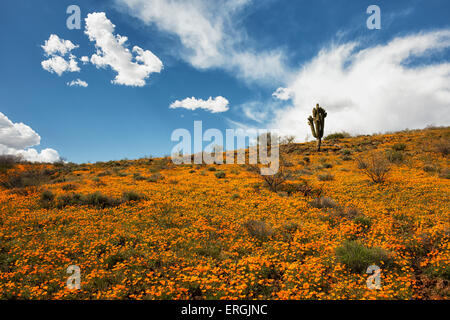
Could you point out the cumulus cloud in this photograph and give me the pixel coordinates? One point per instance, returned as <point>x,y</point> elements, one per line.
<point>132,70</point>
<point>401,84</point>
<point>207,32</point>
<point>16,138</point>
<point>216,105</point>
<point>59,65</point>
<point>54,45</point>
<point>56,49</point>
<point>77,83</point>
<point>282,94</point>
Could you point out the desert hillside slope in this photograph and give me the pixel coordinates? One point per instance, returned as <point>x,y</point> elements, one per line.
<point>149,229</point>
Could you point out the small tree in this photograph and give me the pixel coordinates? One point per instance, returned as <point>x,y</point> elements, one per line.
<point>317,123</point>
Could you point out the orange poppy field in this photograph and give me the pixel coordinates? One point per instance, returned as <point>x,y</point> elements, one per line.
<point>150,229</point>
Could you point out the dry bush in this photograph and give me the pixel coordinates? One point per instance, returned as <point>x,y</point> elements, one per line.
<point>29,178</point>
<point>325,177</point>
<point>375,165</point>
<point>442,146</point>
<point>324,202</point>
<point>445,173</point>
<point>303,187</point>
<point>8,162</point>
<point>274,181</point>
<point>258,229</point>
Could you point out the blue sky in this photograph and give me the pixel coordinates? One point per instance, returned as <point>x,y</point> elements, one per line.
<point>240,50</point>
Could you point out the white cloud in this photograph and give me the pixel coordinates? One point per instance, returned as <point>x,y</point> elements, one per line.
<point>112,51</point>
<point>54,45</point>
<point>84,59</point>
<point>366,90</point>
<point>218,104</point>
<point>59,65</point>
<point>208,35</point>
<point>56,49</point>
<point>282,94</point>
<point>16,138</point>
<point>16,135</point>
<point>77,83</point>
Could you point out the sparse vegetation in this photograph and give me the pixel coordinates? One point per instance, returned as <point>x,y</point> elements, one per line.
<point>375,166</point>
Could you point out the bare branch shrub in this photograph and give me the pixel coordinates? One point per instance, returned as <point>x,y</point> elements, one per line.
<point>375,166</point>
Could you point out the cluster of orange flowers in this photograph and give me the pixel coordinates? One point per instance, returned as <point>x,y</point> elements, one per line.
<point>187,238</point>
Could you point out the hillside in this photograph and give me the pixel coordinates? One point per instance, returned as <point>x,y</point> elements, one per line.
<point>148,229</point>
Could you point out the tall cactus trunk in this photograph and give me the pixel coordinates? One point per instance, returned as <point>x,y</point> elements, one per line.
<point>317,124</point>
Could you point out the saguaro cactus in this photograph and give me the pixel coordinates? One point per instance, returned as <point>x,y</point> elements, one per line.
<point>317,122</point>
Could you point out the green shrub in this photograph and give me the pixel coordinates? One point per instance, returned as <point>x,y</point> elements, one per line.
<point>97,199</point>
<point>104,173</point>
<point>220,174</point>
<point>358,257</point>
<point>68,187</point>
<point>212,169</point>
<point>399,147</point>
<point>325,177</point>
<point>68,200</point>
<point>155,177</point>
<point>47,198</point>
<point>131,196</point>
<point>346,158</point>
<point>394,156</point>
<point>364,221</point>
<point>338,135</point>
<point>235,196</point>
<point>442,272</point>
<point>47,195</point>
<point>429,168</point>
<point>138,177</point>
